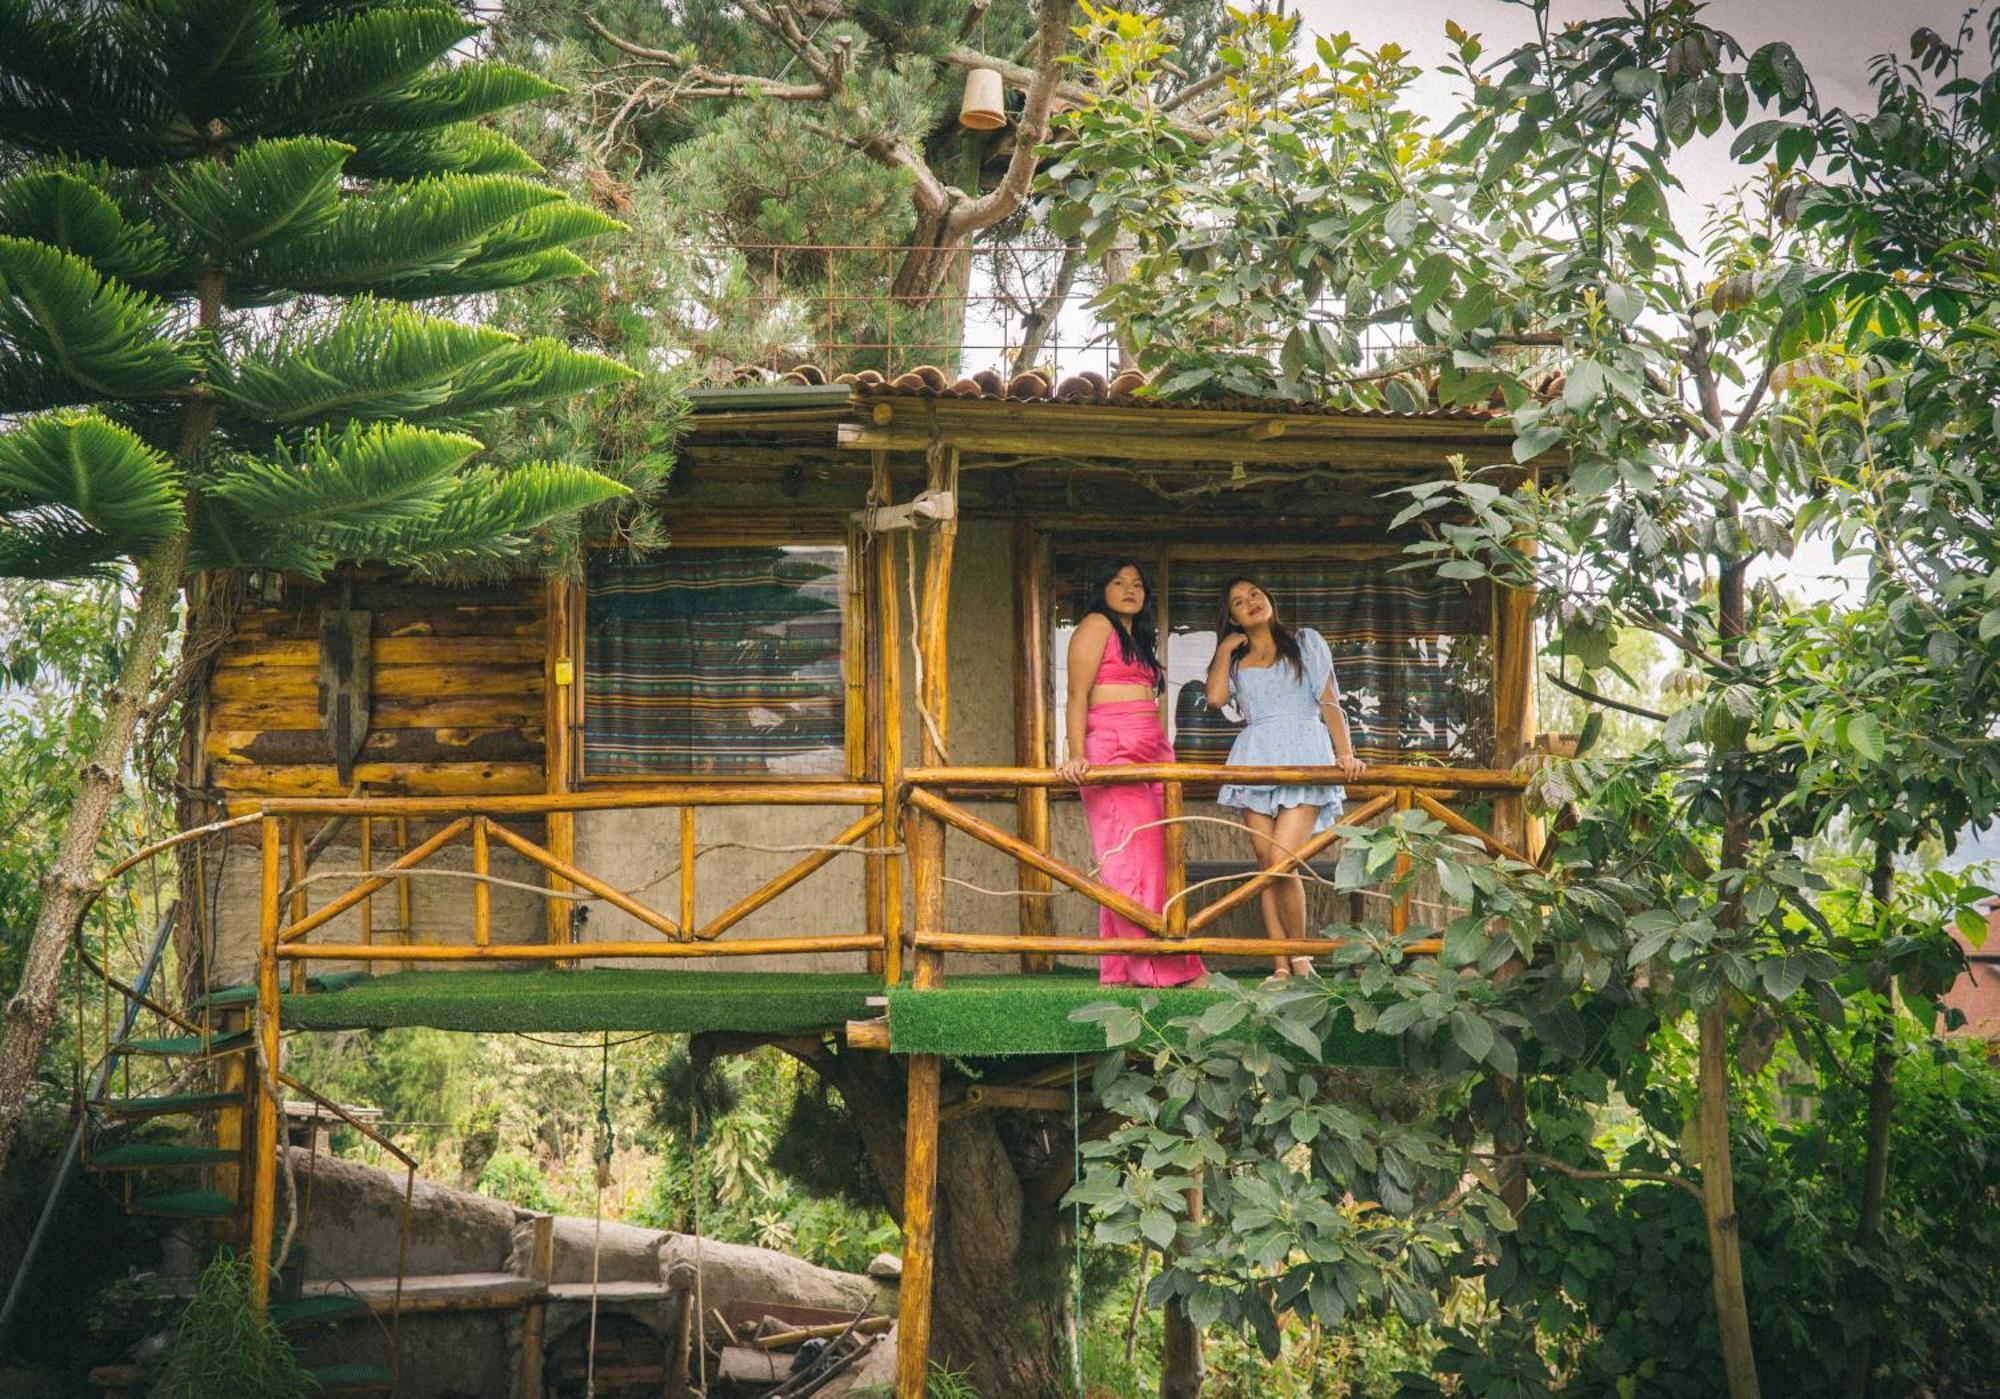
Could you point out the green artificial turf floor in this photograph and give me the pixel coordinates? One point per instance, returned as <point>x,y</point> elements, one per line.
<point>969,1016</point>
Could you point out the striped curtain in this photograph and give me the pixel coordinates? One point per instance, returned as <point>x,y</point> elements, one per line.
<point>715,661</point>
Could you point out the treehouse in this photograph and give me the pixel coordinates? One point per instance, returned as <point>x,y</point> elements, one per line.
<point>792,774</point>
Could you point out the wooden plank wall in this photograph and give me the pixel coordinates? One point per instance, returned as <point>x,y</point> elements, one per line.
<point>458,704</point>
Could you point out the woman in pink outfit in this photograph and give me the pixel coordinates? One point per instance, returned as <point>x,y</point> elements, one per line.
<point>1115,679</point>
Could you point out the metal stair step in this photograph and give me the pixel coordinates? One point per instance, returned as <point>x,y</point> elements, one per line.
<point>168,1104</point>
<point>138,1156</point>
<point>186,1204</point>
<point>318,1311</point>
<point>351,1379</point>
<point>178,1046</point>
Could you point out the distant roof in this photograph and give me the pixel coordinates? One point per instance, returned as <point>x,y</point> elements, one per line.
<point>1124,390</point>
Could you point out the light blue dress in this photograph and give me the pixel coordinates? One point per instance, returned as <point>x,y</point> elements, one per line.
<point>1282,728</point>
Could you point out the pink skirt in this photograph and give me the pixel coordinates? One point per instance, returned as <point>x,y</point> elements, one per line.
<point>1132,861</point>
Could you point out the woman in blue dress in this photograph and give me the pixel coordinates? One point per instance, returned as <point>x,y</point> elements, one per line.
<point>1281,682</point>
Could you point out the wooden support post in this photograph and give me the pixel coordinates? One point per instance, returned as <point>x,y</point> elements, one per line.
<point>687,872</point>
<point>1175,834</point>
<point>404,923</point>
<point>1031,729</point>
<point>920,1151</point>
<point>235,1125</point>
<point>264,1139</point>
<point>368,867</point>
<point>295,849</point>
<point>889,712</point>
<point>1513,708</point>
<point>482,892</point>
<point>534,1321</point>
<point>1399,911</point>
<point>560,690</point>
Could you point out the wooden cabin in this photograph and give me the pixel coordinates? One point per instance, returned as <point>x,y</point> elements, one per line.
<point>812,739</point>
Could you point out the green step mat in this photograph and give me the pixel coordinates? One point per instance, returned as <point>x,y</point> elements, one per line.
<point>134,1155</point>
<point>244,993</point>
<point>186,1204</point>
<point>318,1311</point>
<point>170,1103</point>
<point>332,1378</point>
<point>176,1046</point>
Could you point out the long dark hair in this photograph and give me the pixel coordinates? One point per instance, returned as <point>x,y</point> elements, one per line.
<point>1138,643</point>
<point>1282,636</point>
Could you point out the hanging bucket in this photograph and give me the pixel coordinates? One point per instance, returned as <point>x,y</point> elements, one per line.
<point>984,107</point>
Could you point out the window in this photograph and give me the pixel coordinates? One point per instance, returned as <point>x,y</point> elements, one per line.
<point>727,660</point>
<point>1411,653</point>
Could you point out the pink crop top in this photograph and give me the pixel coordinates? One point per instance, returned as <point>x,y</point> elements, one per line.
<point>1114,669</point>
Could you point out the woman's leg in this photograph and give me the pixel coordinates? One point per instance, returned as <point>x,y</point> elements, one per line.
<point>1293,828</point>
<point>1263,831</point>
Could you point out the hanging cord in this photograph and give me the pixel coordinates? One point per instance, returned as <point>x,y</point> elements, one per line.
<point>604,1147</point>
<point>916,647</point>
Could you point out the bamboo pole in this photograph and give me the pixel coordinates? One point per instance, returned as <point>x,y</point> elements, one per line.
<point>650,794</point>
<point>1399,911</point>
<point>868,1034</point>
<point>1378,779</point>
<point>1251,887</point>
<point>367,867</point>
<point>990,834</point>
<point>757,898</point>
<point>1120,947</point>
<point>264,1148</point>
<point>686,919</point>
<point>920,1143</point>
<point>406,924</point>
<point>295,875</point>
<point>1455,822</point>
<point>583,951</point>
<point>482,892</point>
<point>926,841</point>
<point>589,883</point>
<point>1174,833</point>
<point>558,742</point>
<point>409,860</point>
<point>889,708</point>
<point>1031,727</point>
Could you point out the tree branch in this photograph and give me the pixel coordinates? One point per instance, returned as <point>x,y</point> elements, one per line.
<point>1051,38</point>
<point>1535,1158</point>
<point>1591,696</point>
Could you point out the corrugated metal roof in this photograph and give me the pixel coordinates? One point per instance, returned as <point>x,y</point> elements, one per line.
<point>1124,390</point>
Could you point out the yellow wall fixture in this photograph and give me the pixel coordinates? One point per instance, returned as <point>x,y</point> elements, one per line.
<point>985,104</point>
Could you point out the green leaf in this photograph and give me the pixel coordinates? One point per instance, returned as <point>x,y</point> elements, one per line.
<point>69,473</point>
<point>269,190</point>
<point>66,211</point>
<point>104,339</point>
<point>1531,442</point>
<point>1472,1034</point>
<point>363,478</point>
<point>1159,1228</point>
<point>1864,736</point>
<point>1223,1016</point>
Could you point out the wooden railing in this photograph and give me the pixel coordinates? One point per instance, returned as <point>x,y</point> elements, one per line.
<point>1177,927</point>
<point>287,926</point>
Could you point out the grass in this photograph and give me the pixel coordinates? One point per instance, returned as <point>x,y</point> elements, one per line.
<point>969,1016</point>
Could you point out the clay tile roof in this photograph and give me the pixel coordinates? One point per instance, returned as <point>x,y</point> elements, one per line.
<point>1037,386</point>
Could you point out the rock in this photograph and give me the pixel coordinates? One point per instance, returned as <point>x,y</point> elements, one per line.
<point>352,1226</point>
<point>886,1267</point>
<point>739,1273</point>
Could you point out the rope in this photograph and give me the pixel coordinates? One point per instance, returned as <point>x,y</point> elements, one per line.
<point>694,1197</point>
<point>917,651</point>
<point>604,1146</point>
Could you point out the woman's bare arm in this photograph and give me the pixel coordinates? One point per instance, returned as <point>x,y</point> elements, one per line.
<point>1086,652</point>
<point>1336,724</point>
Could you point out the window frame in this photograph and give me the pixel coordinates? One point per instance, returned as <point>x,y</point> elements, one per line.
<point>857,650</point>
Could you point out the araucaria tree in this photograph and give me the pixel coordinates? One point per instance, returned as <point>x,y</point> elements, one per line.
<point>215,217</point>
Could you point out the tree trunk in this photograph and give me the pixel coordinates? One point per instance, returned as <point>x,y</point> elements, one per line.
<point>1875,1171</point>
<point>1182,1370</point>
<point>1718,1197</point>
<point>1718,1170</point>
<point>68,887</point>
<point>996,1309</point>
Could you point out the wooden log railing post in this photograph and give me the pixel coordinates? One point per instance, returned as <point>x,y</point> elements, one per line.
<point>264,1138</point>
<point>920,1145</point>
<point>534,1321</point>
<point>295,849</point>
<point>1175,834</point>
<point>482,892</point>
<point>558,743</point>
<point>687,872</point>
<point>405,924</point>
<point>367,868</point>
<point>1399,911</point>
<point>889,742</point>
<point>1031,731</point>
